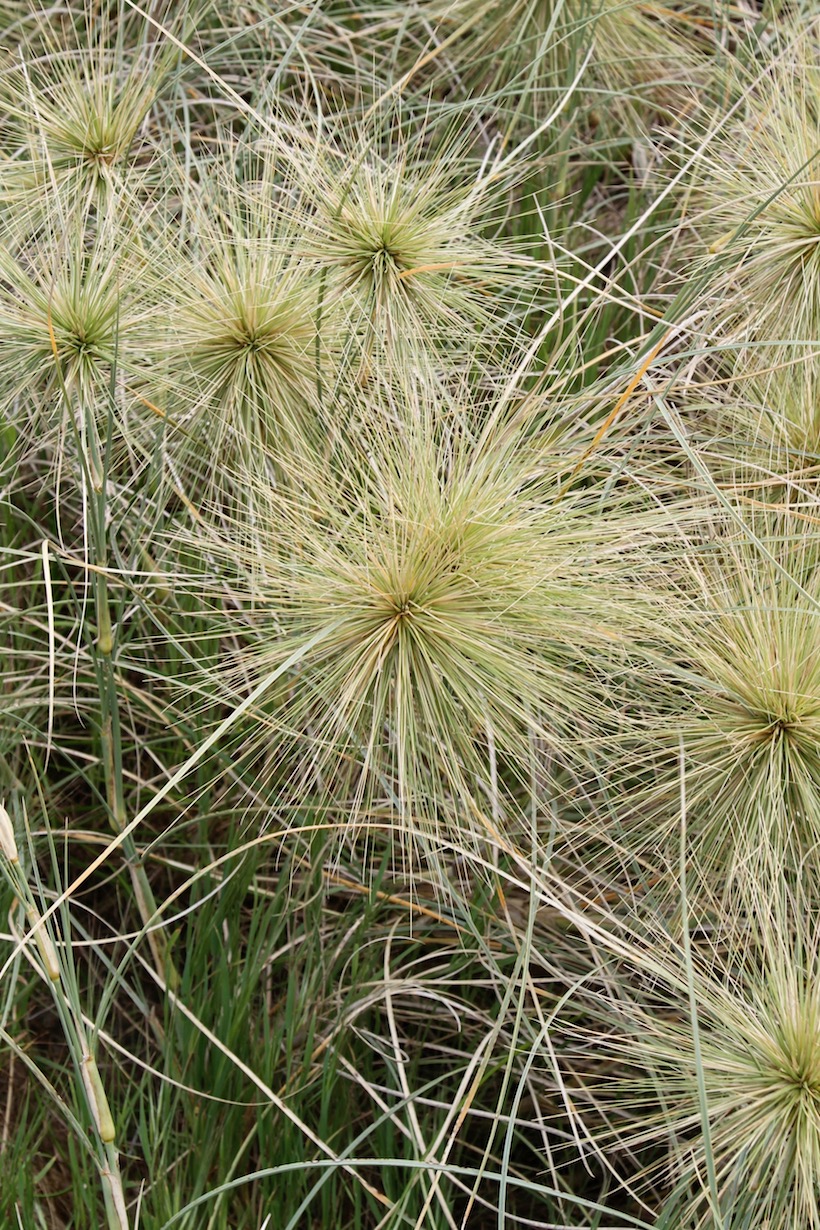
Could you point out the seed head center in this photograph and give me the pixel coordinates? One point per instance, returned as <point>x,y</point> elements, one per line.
<point>384,256</point>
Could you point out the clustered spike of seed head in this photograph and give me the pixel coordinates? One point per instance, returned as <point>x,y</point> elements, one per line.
<point>279,280</point>
<point>239,355</point>
<point>67,316</point>
<point>396,235</point>
<point>739,691</point>
<point>760,193</point>
<point>451,617</point>
<point>756,1058</point>
<point>76,122</point>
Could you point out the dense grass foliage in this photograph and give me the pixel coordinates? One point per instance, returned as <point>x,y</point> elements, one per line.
<point>409,615</point>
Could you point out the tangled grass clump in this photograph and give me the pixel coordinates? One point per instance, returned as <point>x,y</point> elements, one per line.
<point>636,56</point>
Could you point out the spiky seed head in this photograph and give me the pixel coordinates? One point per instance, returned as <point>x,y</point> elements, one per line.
<point>244,335</point>
<point>62,319</point>
<point>395,233</point>
<point>756,1058</point>
<point>739,684</point>
<point>233,342</point>
<point>759,190</point>
<point>73,118</point>
<point>451,619</point>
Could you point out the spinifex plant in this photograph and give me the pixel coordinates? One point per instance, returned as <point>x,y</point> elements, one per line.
<point>717,1058</point>
<point>451,594</point>
<point>738,671</point>
<point>336,513</point>
<point>394,223</point>
<point>233,340</point>
<point>759,192</point>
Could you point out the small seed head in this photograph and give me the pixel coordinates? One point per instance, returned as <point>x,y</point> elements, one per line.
<point>45,947</point>
<point>7,841</point>
<point>97,1100</point>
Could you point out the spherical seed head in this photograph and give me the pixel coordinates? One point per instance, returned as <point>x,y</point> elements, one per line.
<point>742,692</point>
<point>445,599</point>
<point>760,1058</point>
<point>238,356</point>
<point>429,606</point>
<point>398,241</point>
<point>713,1055</point>
<point>76,120</point>
<point>83,323</point>
<point>64,312</point>
<point>385,232</point>
<point>90,127</point>
<point>68,308</point>
<point>248,343</point>
<point>760,190</point>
